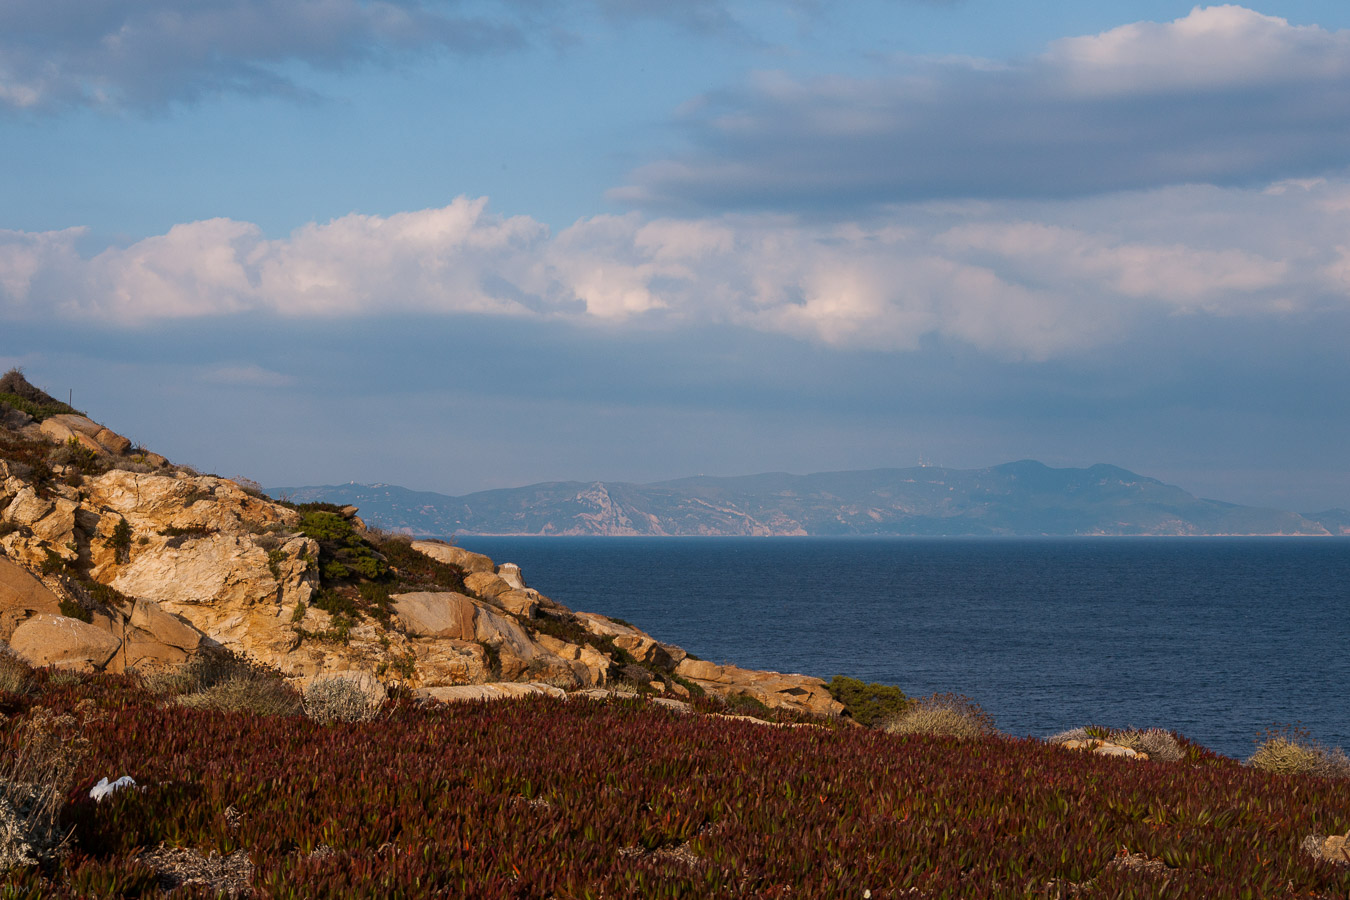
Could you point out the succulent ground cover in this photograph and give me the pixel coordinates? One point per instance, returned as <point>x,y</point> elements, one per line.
<point>551,798</point>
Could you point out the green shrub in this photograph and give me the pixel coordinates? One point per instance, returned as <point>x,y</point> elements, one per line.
<point>1288,750</point>
<point>946,715</point>
<point>335,603</point>
<point>378,600</point>
<point>120,540</point>
<point>403,666</point>
<point>867,704</point>
<point>274,558</point>
<point>54,564</point>
<point>326,526</point>
<point>415,571</point>
<point>343,554</point>
<point>74,610</point>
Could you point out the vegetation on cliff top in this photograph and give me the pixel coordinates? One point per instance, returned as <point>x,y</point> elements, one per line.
<point>18,393</point>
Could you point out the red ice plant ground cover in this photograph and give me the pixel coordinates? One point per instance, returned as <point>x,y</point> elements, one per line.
<point>580,799</point>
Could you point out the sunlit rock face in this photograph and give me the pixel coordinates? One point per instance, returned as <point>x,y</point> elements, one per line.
<point>112,559</point>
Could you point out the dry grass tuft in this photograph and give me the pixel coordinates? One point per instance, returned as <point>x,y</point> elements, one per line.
<point>15,675</point>
<point>1292,751</point>
<point>339,699</point>
<point>1160,745</point>
<point>37,767</point>
<point>945,715</point>
<point>228,684</point>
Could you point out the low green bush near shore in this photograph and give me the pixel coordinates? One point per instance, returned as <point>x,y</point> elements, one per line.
<point>867,704</point>
<point>546,798</point>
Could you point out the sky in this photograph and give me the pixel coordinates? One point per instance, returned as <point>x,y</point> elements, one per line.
<point>467,245</point>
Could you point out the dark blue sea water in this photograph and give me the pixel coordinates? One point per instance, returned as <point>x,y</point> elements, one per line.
<point>1217,638</point>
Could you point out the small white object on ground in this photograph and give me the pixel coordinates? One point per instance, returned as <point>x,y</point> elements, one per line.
<point>103,788</point>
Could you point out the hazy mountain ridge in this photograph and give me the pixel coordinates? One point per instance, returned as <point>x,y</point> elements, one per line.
<point>1018,498</point>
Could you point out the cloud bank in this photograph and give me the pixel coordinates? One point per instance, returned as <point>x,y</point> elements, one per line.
<point>115,53</point>
<point>143,54</point>
<point>1011,280</point>
<point>1224,96</point>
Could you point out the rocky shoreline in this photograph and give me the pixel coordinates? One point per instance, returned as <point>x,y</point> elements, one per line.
<point>115,560</point>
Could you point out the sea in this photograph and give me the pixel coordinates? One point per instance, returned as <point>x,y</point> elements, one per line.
<point>1219,639</point>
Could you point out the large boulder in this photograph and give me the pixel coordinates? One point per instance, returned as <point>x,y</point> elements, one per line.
<point>597,664</point>
<point>86,432</point>
<point>486,584</point>
<point>801,693</point>
<point>510,573</point>
<point>524,604</point>
<point>442,661</point>
<point>520,658</point>
<point>150,618</point>
<point>21,595</point>
<point>48,640</point>
<point>437,614</point>
<point>455,556</point>
<point>153,640</point>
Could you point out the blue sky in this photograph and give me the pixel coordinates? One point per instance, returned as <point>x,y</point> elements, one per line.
<point>462,245</point>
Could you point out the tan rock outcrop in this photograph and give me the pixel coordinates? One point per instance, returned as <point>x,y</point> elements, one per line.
<point>86,432</point>
<point>455,556</point>
<point>442,661</point>
<point>796,692</point>
<point>437,615</point>
<point>597,664</point>
<point>510,573</point>
<point>642,646</point>
<point>148,617</point>
<point>1334,849</point>
<point>199,563</point>
<point>524,604</point>
<point>48,640</point>
<point>22,596</point>
<point>486,584</point>
<point>522,658</point>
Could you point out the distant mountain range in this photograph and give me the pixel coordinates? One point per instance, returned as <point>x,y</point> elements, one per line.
<point>1018,498</point>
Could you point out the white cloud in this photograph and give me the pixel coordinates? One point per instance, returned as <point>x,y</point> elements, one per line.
<point>1182,276</point>
<point>1014,280</point>
<point>1224,95</point>
<point>1216,48</point>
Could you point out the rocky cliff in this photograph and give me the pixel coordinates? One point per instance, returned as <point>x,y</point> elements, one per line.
<point>114,559</point>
